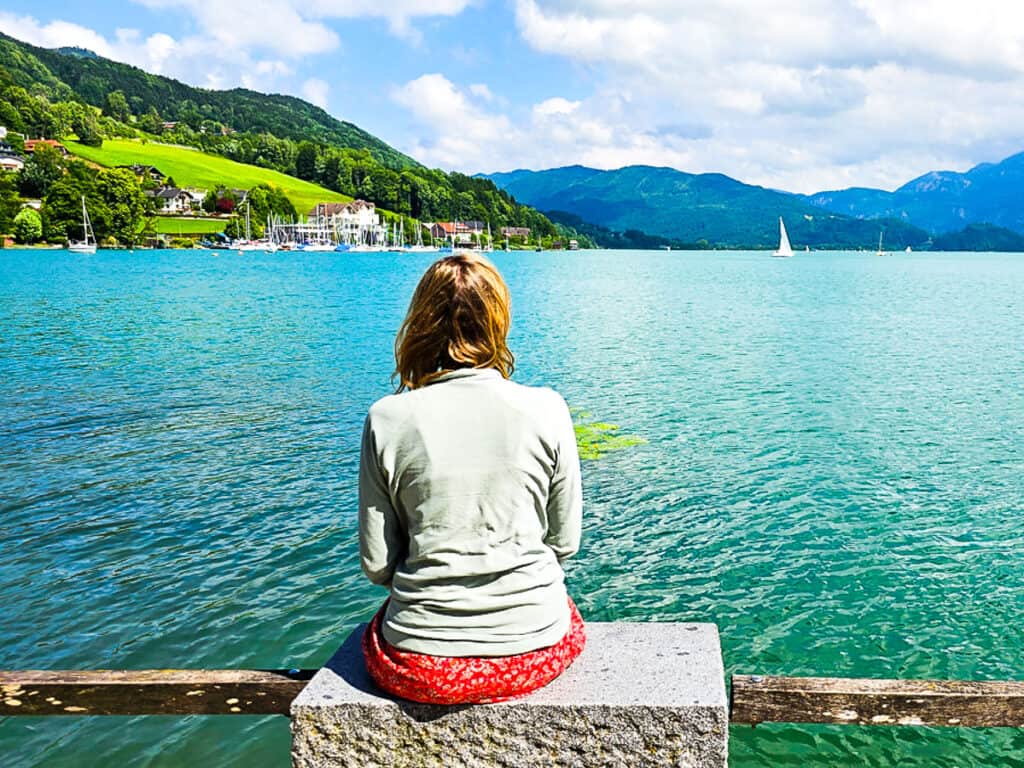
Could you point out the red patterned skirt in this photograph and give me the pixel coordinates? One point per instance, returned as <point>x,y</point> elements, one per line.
<point>468,680</point>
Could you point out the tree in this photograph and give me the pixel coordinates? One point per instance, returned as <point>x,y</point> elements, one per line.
<point>60,118</point>
<point>305,161</point>
<point>235,228</point>
<point>28,226</point>
<point>41,170</point>
<point>127,205</point>
<point>116,106</point>
<point>9,202</point>
<point>266,200</point>
<point>210,202</point>
<point>151,122</point>
<point>62,206</point>
<point>87,128</point>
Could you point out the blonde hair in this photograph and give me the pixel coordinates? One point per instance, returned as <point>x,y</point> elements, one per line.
<point>459,317</point>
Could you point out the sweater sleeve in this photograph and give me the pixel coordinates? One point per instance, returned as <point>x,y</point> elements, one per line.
<point>565,499</point>
<point>381,540</point>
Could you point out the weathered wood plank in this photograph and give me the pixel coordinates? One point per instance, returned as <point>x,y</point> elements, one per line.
<point>765,699</point>
<point>151,692</point>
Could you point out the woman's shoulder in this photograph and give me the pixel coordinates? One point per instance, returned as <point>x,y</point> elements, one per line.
<point>538,398</point>
<point>388,410</point>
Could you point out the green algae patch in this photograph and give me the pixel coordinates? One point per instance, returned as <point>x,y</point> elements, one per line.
<point>597,438</point>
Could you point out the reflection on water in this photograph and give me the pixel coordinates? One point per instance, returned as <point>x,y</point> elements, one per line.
<point>833,471</point>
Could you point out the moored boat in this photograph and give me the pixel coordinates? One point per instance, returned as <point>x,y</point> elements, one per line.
<point>88,242</point>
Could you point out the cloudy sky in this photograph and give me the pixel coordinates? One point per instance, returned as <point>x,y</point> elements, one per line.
<point>801,95</point>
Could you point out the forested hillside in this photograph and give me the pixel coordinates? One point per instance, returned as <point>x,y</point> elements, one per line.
<point>68,92</point>
<point>702,209</point>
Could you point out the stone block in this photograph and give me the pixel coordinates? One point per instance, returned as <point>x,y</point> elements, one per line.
<point>648,694</point>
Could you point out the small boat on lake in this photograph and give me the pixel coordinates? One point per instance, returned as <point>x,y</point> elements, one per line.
<point>880,252</point>
<point>88,242</point>
<point>785,249</point>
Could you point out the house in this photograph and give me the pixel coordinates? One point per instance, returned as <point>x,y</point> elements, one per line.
<point>168,126</point>
<point>523,232</point>
<point>143,171</point>
<point>11,162</point>
<point>358,213</point>
<point>31,144</point>
<point>459,232</point>
<point>352,223</point>
<point>171,200</point>
<point>197,195</point>
<point>9,159</point>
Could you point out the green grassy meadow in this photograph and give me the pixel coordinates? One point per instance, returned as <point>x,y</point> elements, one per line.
<point>169,225</point>
<point>192,168</point>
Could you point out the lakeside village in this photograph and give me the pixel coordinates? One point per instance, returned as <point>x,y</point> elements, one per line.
<point>327,226</point>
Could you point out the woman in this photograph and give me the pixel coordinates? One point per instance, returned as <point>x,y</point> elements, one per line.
<point>469,501</point>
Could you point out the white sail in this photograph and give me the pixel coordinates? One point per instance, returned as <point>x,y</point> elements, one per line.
<point>785,249</point>
<point>88,242</point>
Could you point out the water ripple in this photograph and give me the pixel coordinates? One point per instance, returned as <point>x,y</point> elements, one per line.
<point>834,471</point>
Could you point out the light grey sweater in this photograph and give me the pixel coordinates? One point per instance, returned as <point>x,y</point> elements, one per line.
<point>469,499</point>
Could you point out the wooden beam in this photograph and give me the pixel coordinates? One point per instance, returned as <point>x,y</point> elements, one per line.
<point>151,692</point>
<point>764,699</point>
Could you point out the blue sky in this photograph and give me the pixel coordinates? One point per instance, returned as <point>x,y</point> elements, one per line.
<point>786,93</point>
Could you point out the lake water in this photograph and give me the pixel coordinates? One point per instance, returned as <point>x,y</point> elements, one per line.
<point>834,471</point>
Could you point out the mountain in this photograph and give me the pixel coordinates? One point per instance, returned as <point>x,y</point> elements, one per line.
<point>90,78</point>
<point>696,208</point>
<point>941,201</point>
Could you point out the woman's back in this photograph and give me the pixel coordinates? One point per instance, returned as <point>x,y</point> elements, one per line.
<point>469,498</point>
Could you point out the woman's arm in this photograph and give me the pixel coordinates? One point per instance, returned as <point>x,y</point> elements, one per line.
<point>380,533</point>
<point>565,499</point>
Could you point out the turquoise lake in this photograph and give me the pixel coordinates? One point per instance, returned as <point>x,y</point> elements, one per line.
<point>833,472</point>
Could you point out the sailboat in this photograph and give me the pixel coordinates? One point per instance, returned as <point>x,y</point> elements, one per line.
<point>249,244</point>
<point>880,252</point>
<point>88,243</point>
<point>785,250</point>
<point>419,247</point>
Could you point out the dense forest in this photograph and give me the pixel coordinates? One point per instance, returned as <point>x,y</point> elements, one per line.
<point>980,237</point>
<point>630,239</point>
<point>60,93</point>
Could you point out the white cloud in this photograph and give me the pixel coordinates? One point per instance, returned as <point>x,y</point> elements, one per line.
<point>195,59</point>
<point>463,132</point>
<point>482,91</point>
<point>315,92</point>
<point>264,24</point>
<point>256,45</point>
<point>399,14</point>
<point>555,106</point>
<point>58,33</point>
<point>466,134</point>
<point>793,95</point>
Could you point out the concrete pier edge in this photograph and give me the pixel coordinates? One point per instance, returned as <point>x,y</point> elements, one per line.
<point>641,694</point>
